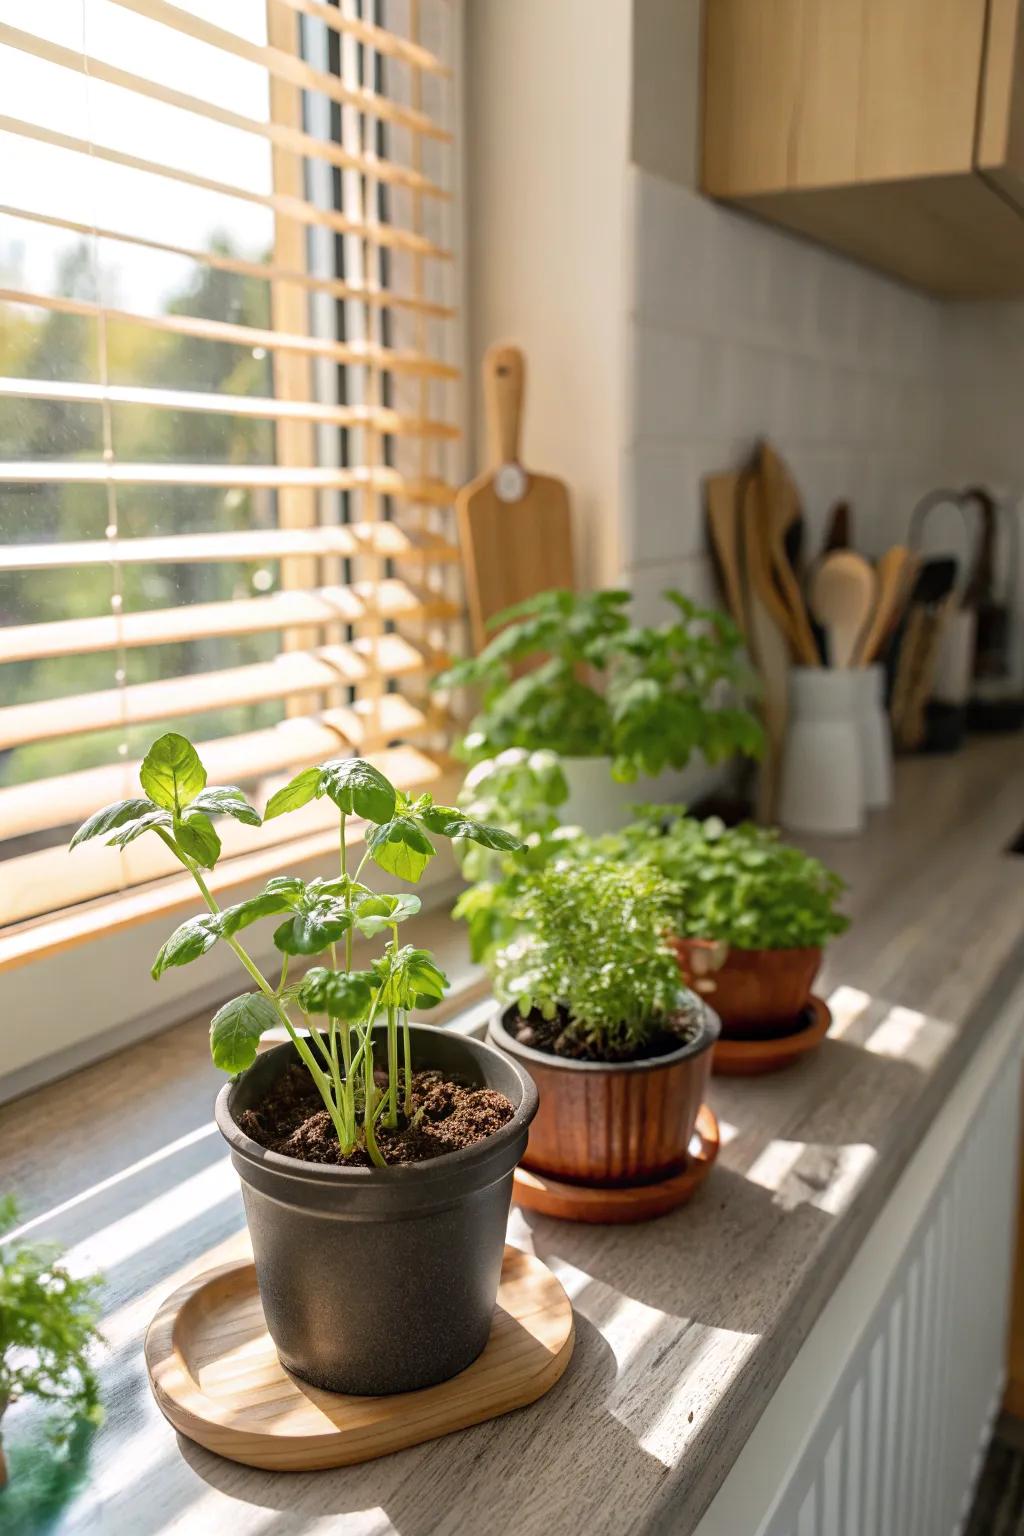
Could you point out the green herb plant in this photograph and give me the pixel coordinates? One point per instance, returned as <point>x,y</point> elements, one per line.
<point>591,949</point>
<point>521,791</point>
<point>741,885</point>
<point>48,1325</point>
<point>599,686</point>
<point>315,918</point>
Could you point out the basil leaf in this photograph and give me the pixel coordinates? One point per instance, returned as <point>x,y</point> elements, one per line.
<point>358,788</point>
<point>410,979</point>
<point>464,829</point>
<point>342,994</point>
<point>399,847</point>
<point>285,885</point>
<point>196,835</point>
<point>235,1030</point>
<point>171,773</point>
<point>315,924</point>
<point>376,913</point>
<point>296,793</point>
<point>110,818</point>
<point>227,800</point>
<point>188,942</point>
<point>266,904</point>
<point>133,829</point>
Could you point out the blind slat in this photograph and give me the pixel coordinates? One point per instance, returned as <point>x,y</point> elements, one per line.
<point>377,298</point>
<point>383,540</point>
<point>266,476</point>
<point>389,235</point>
<point>286,67</point>
<point>293,672</point>
<point>377,38</point>
<point>365,353</point>
<point>68,798</point>
<point>280,134</point>
<point>392,599</point>
<point>379,418</point>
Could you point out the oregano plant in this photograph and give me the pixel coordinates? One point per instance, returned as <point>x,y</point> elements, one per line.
<point>339,1006</point>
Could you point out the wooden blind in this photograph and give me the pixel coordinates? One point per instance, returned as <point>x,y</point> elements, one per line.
<point>227,332</point>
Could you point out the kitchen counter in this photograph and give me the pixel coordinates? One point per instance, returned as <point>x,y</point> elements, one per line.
<point>685,1326</point>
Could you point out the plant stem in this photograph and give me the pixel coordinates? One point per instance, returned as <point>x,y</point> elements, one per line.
<point>407,1054</point>
<point>392,1115</point>
<point>368,1108</point>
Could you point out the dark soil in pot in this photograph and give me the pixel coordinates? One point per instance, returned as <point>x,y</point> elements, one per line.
<point>381,1280</point>
<point>616,1123</point>
<point>556,1037</point>
<point>447,1116</point>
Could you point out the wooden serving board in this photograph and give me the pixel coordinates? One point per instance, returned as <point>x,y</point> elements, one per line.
<point>751,1058</point>
<point>216,1376</point>
<point>514,525</point>
<point>638,1202</point>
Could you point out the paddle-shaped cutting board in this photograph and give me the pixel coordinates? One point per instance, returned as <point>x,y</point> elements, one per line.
<point>514,525</point>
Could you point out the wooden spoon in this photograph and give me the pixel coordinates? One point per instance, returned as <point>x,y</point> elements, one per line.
<point>767,639</point>
<point>781,509</point>
<point>892,591</point>
<point>842,594</point>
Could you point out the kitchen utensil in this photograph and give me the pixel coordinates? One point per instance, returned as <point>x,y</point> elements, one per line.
<point>781,509</point>
<point>837,534</point>
<point>822,787</point>
<point>767,640</point>
<point>723,525</point>
<point>931,604</point>
<point>514,525</point>
<point>991,654</point>
<point>891,573</point>
<point>842,594</point>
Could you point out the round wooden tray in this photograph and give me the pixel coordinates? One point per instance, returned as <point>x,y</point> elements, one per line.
<point>641,1202</point>
<point>216,1376</point>
<point>749,1058</point>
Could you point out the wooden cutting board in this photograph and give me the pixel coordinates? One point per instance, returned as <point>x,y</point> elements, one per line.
<point>514,525</point>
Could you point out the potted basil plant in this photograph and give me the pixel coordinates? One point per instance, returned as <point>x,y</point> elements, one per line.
<point>376,1156</point>
<point>593,1008</point>
<point>752,914</point>
<point>569,673</point>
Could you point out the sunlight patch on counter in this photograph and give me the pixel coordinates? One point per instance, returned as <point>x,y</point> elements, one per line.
<point>847,1005</point>
<point>811,1173</point>
<point>906,1035</point>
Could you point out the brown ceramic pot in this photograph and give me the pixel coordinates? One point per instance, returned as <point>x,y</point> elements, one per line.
<point>613,1124</point>
<point>749,988</point>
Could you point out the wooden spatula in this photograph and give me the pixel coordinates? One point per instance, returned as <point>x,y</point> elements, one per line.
<point>842,594</point>
<point>780,511</point>
<point>891,593</point>
<point>514,525</point>
<point>767,638</point>
<point>723,525</point>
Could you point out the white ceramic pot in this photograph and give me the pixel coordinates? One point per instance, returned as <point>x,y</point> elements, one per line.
<point>598,803</point>
<point>875,737</point>
<point>822,775</point>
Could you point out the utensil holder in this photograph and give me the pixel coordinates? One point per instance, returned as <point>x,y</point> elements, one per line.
<point>875,737</point>
<point>822,772</point>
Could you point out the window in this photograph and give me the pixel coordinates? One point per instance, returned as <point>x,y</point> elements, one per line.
<point>227,331</point>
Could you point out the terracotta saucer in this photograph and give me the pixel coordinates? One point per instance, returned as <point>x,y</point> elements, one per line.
<point>771,1053</point>
<point>641,1202</point>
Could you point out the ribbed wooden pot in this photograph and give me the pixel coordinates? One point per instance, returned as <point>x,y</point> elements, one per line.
<point>754,988</point>
<point>613,1124</point>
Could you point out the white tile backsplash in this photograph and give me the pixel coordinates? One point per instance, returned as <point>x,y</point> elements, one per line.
<point>737,330</point>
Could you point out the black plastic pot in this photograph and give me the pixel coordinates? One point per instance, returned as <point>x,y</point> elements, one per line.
<point>380,1280</point>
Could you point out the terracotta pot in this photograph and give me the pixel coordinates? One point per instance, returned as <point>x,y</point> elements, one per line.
<point>613,1124</point>
<point>749,989</point>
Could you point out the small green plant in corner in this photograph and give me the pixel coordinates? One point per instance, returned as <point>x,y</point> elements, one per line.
<point>315,918</point>
<point>590,970</point>
<point>48,1325</point>
<point>740,885</point>
<point>599,686</point>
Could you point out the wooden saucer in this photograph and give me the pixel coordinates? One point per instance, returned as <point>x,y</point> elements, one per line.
<point>216,1376</point>
<point>766,1053</point>
<point>640,1202</point>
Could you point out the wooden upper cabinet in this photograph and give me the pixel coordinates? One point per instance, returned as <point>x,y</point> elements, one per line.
<point>892,130</point>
